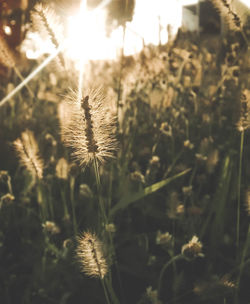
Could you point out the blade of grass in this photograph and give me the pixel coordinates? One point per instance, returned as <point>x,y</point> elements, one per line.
<point>132,197</point>
<point>219,201</point>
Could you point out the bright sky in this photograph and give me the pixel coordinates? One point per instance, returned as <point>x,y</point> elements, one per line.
<point>247,2</point>
<point>149,15</point>
<point>87,37</point>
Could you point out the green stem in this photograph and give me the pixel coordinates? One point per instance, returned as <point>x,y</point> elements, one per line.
<point>105,291</point>
<point>41,202</point>
<point>72,200</point>
<point>164,268</point>
<point>111,292</point>
<point>65,208</point>
<point>238,196</point>
<point>244,253</point>
<point>105,222</point>
<point>101,203</point>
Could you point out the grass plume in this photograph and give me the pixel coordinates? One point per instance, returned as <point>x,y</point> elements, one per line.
<point>28,152</point>
<point>46,22</point>
<point>91,256</point>
<point>225,9</point>
<point>6,55</point>
<point>244,122</point>
<point>90,132</point>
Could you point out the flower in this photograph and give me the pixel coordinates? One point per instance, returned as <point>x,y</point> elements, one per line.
<point>51,227</point>
<point>164,238</point>
<point>192,249</point>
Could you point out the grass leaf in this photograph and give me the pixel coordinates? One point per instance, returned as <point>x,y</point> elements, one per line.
<point>133,197</point>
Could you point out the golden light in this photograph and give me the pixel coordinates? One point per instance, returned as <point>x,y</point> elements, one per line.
<point>7,30</point>
<point>34,46</point>
<point>149,24</point>
<point>246,2</point>
<point>86,35</point>
<point>87,38</point>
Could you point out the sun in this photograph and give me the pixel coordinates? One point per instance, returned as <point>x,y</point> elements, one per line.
<point>86,34</point>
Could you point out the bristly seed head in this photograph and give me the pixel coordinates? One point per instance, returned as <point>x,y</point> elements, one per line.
<point>91,255</point>
<point>28,152</point>
<point>91,142</point>
<point>6,55</point>
<point>243,122</point>
<point>90,131</point>
<point>48,24</point>
<point>224,7</point>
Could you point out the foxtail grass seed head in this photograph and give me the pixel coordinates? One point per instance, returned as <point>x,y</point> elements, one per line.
<point>224,8</point>
<point>90,132</point>
<point>48,24</point>
<point>62,169</point>
<point>28,152</point>
<point>6,55</point>
<point>90,255</point>
<point>244,122</point>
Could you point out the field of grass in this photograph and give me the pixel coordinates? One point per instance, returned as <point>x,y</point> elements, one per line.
<point>133,189</point>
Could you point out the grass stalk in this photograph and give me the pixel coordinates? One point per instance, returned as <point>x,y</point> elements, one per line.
<point>101,202</point>
<point>72,200</point>
<point>111,292</point>
<point>104,220</point>
<point>105,291</point>
<point>239,196</point>
<point>41,202</point>
<point>164,268</point>
<point>244,254</point>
